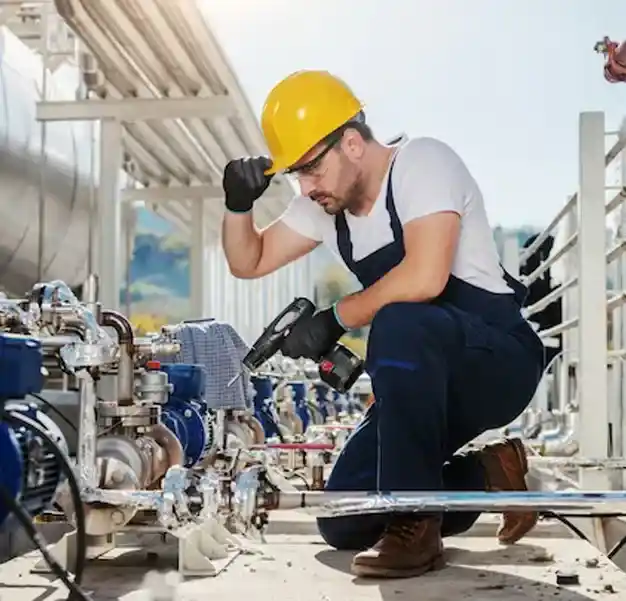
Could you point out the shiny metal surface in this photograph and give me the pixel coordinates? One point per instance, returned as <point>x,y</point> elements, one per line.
<point>153,387</point>
<point>128,416</point>
<point>67,174</point>
<point>338,504</point>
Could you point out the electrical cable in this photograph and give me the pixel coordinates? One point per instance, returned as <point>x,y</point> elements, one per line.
<point>26,522</point>
<point>568,524</point>
<point>15,418</point>
<point>616,548</point>
<point>54,409</point>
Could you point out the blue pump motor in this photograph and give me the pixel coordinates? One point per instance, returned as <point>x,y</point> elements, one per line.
<point>186,412</point>
<point>11,473</point>
<point>30,471</point>
<point>299,391</point>
<point>322,392</point>
<point>265,405</point>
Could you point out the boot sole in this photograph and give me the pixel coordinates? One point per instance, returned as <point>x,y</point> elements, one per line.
<point>371,571</point>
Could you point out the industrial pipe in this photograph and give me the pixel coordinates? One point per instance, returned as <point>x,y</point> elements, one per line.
<point>338,504</point>
<point>126,368</point>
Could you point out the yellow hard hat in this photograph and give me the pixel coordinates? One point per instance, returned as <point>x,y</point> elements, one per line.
<point>300,111</point>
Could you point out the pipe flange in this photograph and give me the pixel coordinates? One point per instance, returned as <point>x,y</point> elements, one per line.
<point>103,519</point>
<point>130,416</point>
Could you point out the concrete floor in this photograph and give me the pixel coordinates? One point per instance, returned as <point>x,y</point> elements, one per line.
<point>296,565</point>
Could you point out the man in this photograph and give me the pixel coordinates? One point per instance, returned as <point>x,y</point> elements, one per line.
<point>449,353</point>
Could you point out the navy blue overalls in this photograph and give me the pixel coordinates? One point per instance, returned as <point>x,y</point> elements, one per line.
<point>442,372</point>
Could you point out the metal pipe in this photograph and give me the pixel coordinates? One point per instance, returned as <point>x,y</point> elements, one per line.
<point>519,425</point>
<point>91,289</point>
<point>564,442</point>
<point>87,434</point>
<point>338,504</point>
<point>126,368</point>
<point>555,427</point>
<point>120,324</point>
<point>41,217</point>
<point>577,462</point>
<point>534,425</point>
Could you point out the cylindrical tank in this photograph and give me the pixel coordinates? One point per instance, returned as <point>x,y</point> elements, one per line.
<point>67,177</point>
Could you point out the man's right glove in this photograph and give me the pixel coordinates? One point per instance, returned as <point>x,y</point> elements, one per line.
<point>244,181</point>
<point>312,338</point>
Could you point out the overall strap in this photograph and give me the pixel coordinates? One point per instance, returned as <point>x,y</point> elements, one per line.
<point>520,291</point>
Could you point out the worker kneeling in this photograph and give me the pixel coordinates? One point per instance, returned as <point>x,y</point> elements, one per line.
<point>449,353</point>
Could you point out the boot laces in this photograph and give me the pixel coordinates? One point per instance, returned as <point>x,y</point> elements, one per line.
<point>403,530</point>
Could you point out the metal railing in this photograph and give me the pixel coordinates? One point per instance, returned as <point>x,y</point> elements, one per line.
<point>579,407</point>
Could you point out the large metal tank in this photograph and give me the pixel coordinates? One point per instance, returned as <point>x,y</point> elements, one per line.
<point>67,177</point>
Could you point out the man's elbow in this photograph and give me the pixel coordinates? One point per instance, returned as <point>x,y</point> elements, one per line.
<point>242,274</point>
<point>429,286</point>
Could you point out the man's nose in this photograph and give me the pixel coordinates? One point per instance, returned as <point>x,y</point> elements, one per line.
<point>307,187</point>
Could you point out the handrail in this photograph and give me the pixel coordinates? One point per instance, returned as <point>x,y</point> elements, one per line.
<point>585,376</point>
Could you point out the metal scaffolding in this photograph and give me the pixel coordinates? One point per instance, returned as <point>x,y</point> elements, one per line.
<point>171,114</point>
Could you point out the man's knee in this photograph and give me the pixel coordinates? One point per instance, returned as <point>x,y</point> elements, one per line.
<point>399,329</point>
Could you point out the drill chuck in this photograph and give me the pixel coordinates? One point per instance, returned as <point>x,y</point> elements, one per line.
<point>271,340</point>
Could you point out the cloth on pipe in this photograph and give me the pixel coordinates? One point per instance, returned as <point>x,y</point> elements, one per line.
<point>216,346</point>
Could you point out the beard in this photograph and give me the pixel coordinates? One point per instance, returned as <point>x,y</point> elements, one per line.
<point>350,200</point>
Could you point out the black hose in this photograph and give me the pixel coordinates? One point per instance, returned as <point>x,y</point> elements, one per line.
<point>16,418</point>
<point>561,518</point>
<point>617,548</point>
<point>610,554</point>
<point>54,409</point>
<point>26,521</point>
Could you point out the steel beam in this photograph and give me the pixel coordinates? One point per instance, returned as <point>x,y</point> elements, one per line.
<point>592,332</point>
<point>159,194</point>
<point>109,235</point>
<point>137,109</point>
<point>199,259</point>
<point>164,194</point>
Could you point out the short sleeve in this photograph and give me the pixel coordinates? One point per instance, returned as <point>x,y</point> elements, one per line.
<point>429,177</point>
<point>302,216</point>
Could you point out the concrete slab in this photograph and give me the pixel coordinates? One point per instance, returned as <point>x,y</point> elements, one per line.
<point>299,567</point>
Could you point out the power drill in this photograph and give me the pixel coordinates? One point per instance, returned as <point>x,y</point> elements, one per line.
<point>339,368</point>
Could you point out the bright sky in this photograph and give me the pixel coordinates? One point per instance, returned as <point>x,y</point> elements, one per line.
<point>501,81</point>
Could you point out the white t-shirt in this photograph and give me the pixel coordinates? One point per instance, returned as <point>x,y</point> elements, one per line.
<point>428,177</point>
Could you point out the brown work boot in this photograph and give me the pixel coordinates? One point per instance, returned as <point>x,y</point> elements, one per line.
<point>409,547</point>
<point>506,466</point>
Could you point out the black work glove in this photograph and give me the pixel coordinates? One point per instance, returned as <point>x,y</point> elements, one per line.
<point>314,337</point>
<point>244,181</point>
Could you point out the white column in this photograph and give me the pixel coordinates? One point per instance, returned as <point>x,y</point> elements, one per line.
<point>109,229</point>
<point>619,327</point>
<point>199,263</point>
<point>592,341</point>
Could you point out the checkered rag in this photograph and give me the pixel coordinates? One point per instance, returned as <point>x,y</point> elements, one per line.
<point>219,349</point>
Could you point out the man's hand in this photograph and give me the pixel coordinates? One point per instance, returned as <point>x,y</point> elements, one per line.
<point>244,182</point>
<point>312,338</point>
